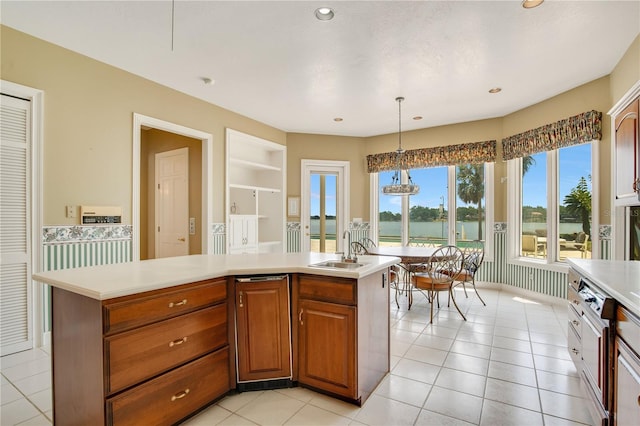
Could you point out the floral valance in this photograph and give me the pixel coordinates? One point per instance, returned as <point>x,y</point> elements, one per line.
<point>574,130</point>
<point>451,155</point>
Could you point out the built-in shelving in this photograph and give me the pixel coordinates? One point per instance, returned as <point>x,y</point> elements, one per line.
<point>256,179</point>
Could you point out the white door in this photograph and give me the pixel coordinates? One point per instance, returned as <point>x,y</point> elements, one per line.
<point>172,203</point>
<point>16,327</point>
<point>335,201</point>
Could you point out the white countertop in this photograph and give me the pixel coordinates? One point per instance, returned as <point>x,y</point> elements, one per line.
<point>122,279</point>
<point>619,278</point>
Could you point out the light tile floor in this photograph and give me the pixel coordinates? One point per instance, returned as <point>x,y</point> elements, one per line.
<point>507,365</point>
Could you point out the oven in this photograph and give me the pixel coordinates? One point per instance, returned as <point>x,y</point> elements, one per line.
<point>592,317</point>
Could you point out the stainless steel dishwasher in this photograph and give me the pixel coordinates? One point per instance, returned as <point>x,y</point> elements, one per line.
<point>263,332</point>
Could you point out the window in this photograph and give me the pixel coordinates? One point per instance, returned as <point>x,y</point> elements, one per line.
<point>451,207</point>
<point>550,204</point>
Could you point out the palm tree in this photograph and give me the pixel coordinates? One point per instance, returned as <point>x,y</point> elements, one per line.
<point>527,162</point>
<point>578,203</point>
<point>471,188</point>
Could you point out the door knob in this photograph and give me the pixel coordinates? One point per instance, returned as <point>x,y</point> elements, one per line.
<point>182,239</point>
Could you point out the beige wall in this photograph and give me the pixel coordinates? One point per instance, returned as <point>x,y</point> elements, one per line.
<point>88,128</point>
<point>152,142</point>
<point>88,121</point>
<point>322,147</point>
<point>627,72</point>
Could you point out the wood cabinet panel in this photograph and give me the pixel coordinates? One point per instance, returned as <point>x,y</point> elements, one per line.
<point>327,347</point>
<point>627,402</point>
<point>626,151</point>
<point>172,396</point>
<point>140,354</point>
<point>133,311</point>
<point>328,289</point>
<point>263,330</point>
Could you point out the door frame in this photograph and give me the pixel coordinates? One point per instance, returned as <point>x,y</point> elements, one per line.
<point>141,121</point>
<point>39,315</point>
<point>342,169</point>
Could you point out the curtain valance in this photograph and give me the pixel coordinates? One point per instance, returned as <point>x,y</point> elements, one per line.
<point>574,130</point>
<point>451,155</point>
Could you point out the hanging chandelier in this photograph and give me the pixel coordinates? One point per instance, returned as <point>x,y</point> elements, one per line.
<point>396,187</point>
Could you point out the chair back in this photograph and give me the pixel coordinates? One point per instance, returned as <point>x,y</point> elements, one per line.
<point>367,242</point>
<point>446,260</point>
<point>358,248</point>
<point>529,243</point>
<point>473,256</point>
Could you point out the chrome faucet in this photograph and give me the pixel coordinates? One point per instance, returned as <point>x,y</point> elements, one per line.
<point>349,258</point>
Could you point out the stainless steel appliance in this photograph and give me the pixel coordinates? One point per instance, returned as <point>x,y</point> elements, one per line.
<point>591,337</point>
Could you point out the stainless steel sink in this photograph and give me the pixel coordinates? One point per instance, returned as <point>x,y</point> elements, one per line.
<point>334,264</point>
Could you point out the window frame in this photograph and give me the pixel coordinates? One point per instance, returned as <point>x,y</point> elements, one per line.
<point>489,200</point>
<point>514,211</point>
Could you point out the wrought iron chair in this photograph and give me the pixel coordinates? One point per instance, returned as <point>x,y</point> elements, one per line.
<point>367,242</point>
<point>358,248</point>
<point>444,265</point>
<point>473,258</point>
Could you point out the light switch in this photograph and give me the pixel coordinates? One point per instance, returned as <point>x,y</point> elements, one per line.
<point>192,226</point>
<point>71,211</point>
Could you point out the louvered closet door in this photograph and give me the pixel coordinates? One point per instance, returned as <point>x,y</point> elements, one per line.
<point>16,331</point>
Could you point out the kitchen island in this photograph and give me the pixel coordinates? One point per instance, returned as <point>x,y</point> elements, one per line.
<point>155,341</point>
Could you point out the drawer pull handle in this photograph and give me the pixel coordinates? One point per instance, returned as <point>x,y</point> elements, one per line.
<point>300,317</point>
<point>576,323</point>
<point>180,395</point>
<point>180,303</point>
<point>178,342</point>
<point>575,351</point>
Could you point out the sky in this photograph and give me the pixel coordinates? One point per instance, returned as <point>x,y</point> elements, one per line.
<point>574,162</point>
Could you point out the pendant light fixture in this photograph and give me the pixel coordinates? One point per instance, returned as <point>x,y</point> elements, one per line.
<point>396,187</point>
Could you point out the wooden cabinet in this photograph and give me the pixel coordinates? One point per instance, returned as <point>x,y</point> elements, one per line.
<point>256,184</point>
<point>243,234</point>
<point>263,329</point>
<point>342,333</point>
<point>627,369</point>
<point>627,154</point>
<point>327,347</point>
<point>151,358</point>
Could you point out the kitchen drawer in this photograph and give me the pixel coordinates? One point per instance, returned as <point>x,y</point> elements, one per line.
<point>127,312</point>
<point>628,328</point>
<point>574,345</point>
<point>140,354</point>
<point>327,289</point>
<point>171,397</point>
<point>575,320</point>
<point>574,299</point>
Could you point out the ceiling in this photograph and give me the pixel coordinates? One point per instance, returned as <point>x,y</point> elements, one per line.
<point>275,62</point>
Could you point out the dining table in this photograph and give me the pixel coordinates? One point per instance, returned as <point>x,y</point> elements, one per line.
<point>414,259</point>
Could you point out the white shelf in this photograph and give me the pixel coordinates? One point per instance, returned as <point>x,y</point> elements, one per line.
<point>253,165</point>
<point>254,188</point>
<point>256,185</point>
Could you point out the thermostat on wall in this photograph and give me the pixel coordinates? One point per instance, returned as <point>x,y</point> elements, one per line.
<point>100,214</point>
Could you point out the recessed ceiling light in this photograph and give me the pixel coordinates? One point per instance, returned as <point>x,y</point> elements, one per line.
<point>530,4</point>
<point>338,119</point>
<point>417,117</point>
<point>324,13</point>
<point>495,90</point>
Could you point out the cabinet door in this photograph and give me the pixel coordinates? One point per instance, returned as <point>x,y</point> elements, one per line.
<point>263,330</point>
<point>327,347</point>
<point>627,150</point>
<point>627,392</point>
<point>251,231</point>
<point>243,234</point>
